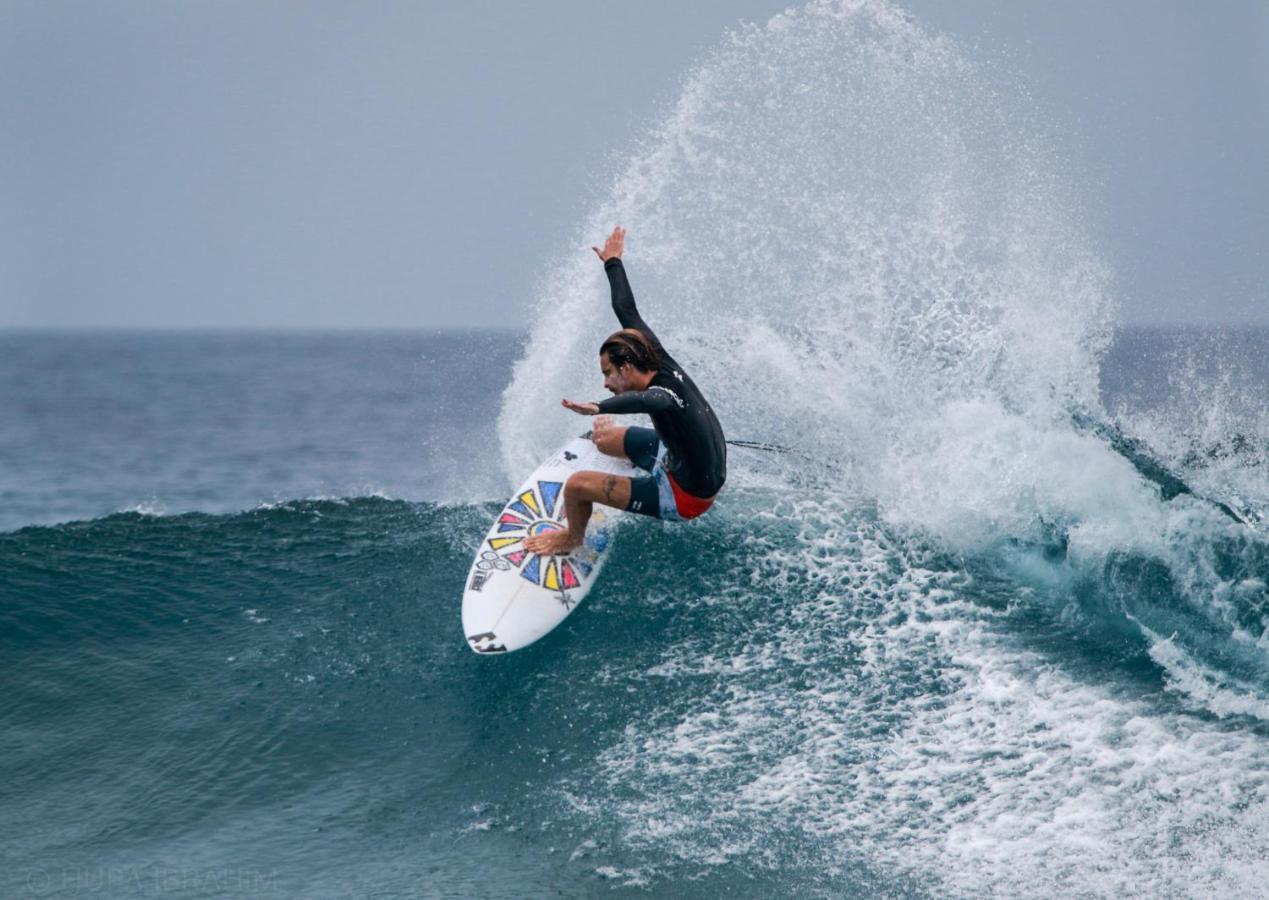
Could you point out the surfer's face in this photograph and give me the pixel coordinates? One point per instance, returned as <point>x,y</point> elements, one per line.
<point>615,378</point>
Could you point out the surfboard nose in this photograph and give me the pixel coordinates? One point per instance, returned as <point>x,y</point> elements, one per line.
<point>486,642</point>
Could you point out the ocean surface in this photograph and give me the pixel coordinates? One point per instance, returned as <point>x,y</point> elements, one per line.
<point>233,663</point>
<point>993,625</point>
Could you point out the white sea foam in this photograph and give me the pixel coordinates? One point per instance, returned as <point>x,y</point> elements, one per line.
<point>1200,685</point>
<point>976,473</point>
<point>149,508</point>
<point>1211,420</point>
<point>904,724</point>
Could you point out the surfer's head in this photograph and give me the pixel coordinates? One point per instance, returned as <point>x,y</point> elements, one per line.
<point>628,360</point>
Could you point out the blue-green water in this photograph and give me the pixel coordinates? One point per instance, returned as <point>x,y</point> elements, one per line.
<point>791,696</point>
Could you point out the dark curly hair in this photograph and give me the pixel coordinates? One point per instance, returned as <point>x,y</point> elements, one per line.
<point>631,347</point>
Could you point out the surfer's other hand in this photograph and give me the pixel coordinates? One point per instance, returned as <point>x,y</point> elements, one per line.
<point>608,436</point>
<point>585,409</point>
<point>612,246</point>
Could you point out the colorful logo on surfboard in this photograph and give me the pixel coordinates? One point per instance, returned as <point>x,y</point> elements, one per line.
<point>532,512</point>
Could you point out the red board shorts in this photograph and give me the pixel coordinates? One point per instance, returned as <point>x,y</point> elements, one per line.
<point>657,494</point>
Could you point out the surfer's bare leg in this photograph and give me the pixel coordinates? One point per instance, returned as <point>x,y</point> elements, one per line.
<point>581,492</point>
<point>610,439</point>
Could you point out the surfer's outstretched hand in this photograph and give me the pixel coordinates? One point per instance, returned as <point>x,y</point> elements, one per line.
<point>612,246</point>
<point>585,409</point>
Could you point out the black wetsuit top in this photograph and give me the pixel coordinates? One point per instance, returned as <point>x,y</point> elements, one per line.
<point>696,453</point>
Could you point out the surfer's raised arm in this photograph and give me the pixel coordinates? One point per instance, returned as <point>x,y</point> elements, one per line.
<point>623,302</point>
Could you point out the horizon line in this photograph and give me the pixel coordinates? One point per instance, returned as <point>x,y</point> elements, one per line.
<point>251,329</point>
<point>446,329</point>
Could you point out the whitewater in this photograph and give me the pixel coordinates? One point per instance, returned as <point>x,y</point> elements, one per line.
<point>962,642</point>
<point>867,250</point>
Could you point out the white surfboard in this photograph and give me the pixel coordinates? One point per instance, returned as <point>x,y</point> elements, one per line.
<point>514,597</point>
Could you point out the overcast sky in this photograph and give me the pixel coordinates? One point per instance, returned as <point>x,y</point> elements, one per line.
<point>416,164</point>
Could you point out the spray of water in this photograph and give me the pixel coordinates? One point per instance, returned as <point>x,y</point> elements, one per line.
<point>860,245</point>
<point>840,228</point>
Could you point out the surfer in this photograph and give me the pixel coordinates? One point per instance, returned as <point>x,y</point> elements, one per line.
<point>684,453</point>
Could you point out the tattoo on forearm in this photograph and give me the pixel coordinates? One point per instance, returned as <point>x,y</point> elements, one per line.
<point>610,485</point>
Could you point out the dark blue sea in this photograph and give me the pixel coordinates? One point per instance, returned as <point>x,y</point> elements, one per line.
<point>232,661</point>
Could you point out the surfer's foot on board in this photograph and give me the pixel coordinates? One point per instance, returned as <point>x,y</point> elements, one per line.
<point>552,543</point>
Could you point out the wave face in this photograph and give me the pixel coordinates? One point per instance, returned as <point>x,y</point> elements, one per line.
<point>788,696</point>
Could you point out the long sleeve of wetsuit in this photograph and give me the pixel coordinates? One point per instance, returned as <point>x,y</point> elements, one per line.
<point>654,399</point>
<point>623,302</point>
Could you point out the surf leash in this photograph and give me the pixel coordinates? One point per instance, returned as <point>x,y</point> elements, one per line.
<point>760,445</point>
